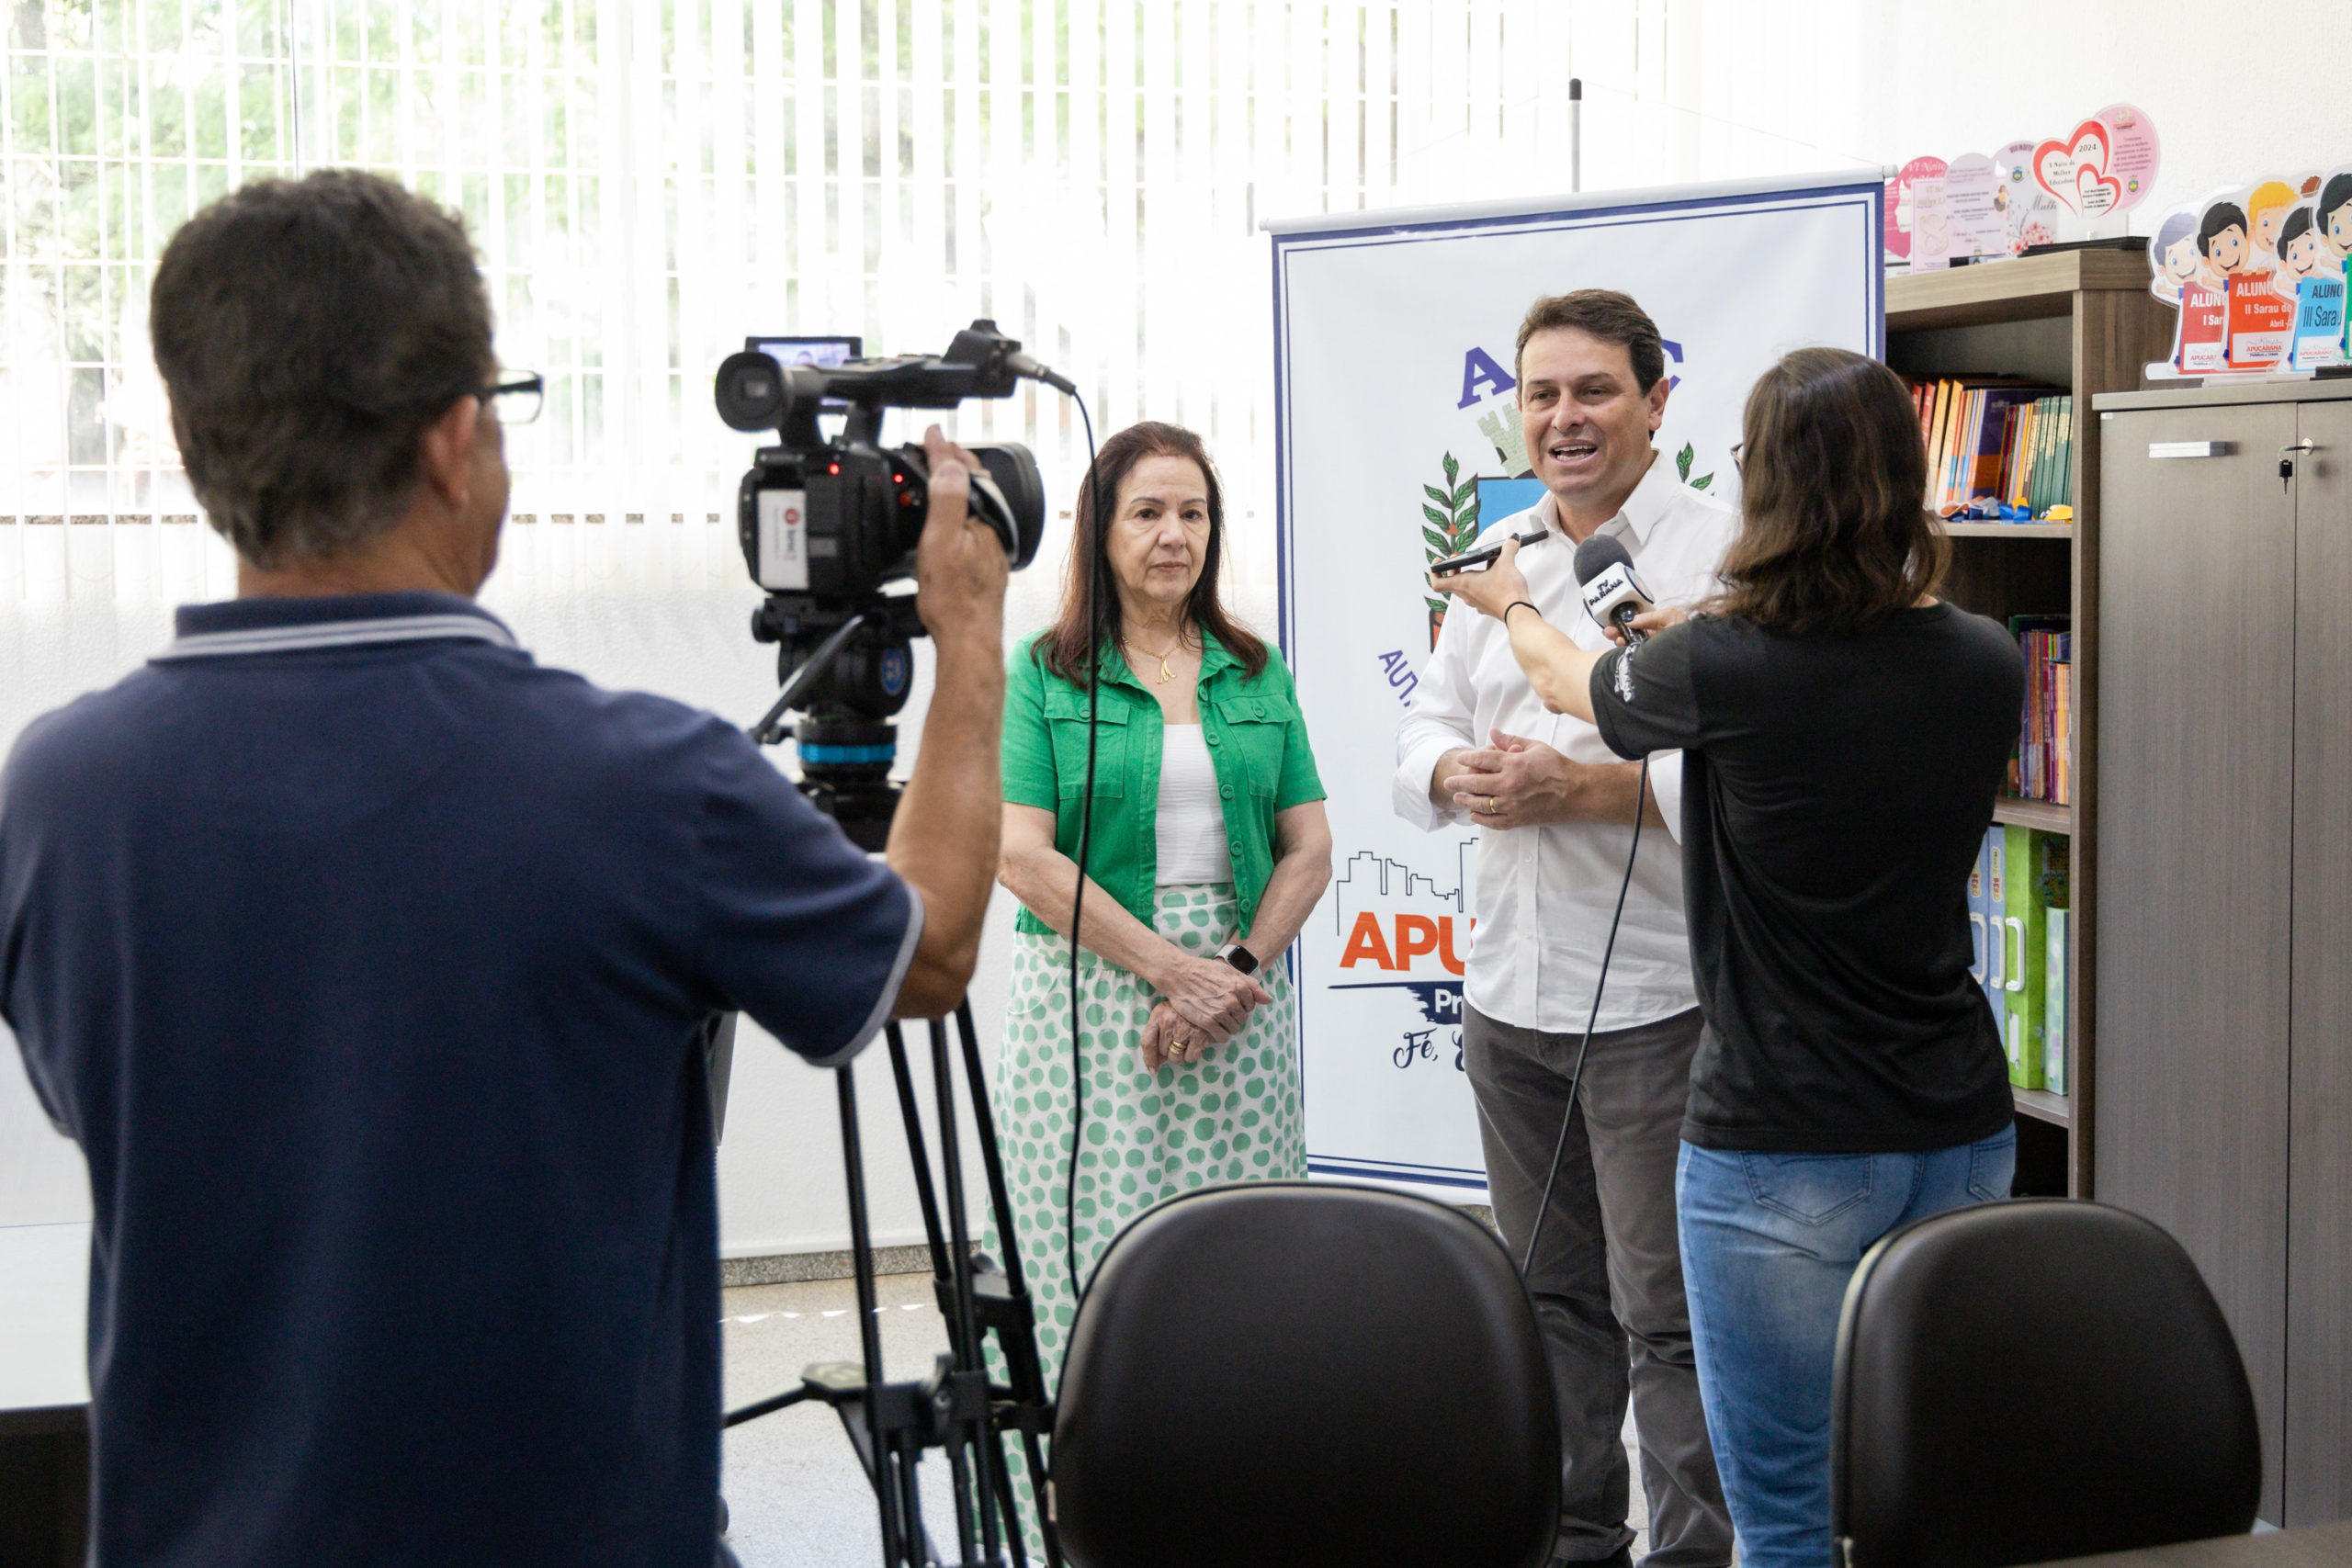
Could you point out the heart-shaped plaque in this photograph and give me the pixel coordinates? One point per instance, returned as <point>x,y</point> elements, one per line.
<point>2074,170</point>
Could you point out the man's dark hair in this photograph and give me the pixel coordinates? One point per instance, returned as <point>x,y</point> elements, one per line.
<point>1605,314</point>
<point>2218,217</point>
<point>310,332</point>
<point>2338,192</point>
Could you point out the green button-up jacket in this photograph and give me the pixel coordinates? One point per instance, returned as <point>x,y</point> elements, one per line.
<point>1257,742</point>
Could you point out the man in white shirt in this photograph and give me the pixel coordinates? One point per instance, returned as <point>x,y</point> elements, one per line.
<point>1558,809</point>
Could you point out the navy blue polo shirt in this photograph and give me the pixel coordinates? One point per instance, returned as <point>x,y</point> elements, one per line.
<point>367,961</point>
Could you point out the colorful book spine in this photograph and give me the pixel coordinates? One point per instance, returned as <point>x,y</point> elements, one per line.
<point>2024,937</point>
<point>2046,728</point>
<point>2054,1002</point>
<point>1980,915</point>
<point>1997,844</point>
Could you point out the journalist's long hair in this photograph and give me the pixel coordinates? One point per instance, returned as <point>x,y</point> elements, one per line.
<point>1063,647</point>
<point>1833,537</point>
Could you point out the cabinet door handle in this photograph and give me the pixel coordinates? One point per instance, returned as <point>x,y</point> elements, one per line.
<point>2191,448</point>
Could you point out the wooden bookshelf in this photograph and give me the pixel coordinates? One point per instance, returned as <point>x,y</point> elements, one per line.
<point>2047,815</point>
<point>2043,1106</point>
<point>2010,530</point>
<point>2083,321</point>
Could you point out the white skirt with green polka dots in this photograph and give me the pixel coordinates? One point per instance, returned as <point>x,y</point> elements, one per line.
<point>1232,1116</point>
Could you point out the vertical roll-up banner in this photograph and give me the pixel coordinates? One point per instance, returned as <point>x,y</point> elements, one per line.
<point>1398,437</point>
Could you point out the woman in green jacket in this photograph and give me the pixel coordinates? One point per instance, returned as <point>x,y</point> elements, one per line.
<point>1208,848</point>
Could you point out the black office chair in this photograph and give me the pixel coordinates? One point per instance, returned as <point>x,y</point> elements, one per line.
<point>2034,1379</point>
<point>1281,1375</point>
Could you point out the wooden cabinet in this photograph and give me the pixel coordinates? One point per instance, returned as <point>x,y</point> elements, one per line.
<point>2225,882</point>
<point>2319,1113</point>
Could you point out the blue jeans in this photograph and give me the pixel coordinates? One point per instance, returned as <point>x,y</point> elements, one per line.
<point>1768,1243</point>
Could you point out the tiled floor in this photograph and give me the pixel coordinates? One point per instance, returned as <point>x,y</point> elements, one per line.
<point>797,1497</point>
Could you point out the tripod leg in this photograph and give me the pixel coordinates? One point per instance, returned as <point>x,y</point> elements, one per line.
<point>1026,1374</point>
<point>968,1327</point>
<point>1006,1508</point>
<point>919,1552</point>
<point>991,1158</point>
<point>1035,1452</point>
<point>959,1471</point>
<point>861,1241</point>
<point>926,1195</point>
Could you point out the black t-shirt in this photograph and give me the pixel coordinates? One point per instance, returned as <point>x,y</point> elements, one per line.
<point>1835,791</point>
<point>366,959</point>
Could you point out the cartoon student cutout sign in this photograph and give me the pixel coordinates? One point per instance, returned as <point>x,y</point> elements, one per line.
<point>2173,257</point>
<point>2335,228</point>
<point>2315,282</point>
<point>2267,207</point>
<point>2260,321</point>
<point>2193,251</point>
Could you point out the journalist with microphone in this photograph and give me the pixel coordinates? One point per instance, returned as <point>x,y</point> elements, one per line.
<point>369,962</point>
<point>1844,733</point>
<point>1557,808</point>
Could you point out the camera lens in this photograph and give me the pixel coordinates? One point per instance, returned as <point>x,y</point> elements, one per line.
<point>1014,469</point>
<point>750,389</point>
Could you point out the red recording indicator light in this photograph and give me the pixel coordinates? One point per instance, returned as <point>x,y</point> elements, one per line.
<point>835,468</point>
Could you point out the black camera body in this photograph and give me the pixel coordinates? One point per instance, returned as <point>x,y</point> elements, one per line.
<point>827,524</point>
<point>842,522</point>
<point>839,519</point>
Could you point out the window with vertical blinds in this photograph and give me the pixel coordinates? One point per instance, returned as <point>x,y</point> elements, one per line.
<point>651,181</point>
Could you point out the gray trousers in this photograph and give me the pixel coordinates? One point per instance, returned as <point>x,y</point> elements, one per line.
<point>1607,1277</point>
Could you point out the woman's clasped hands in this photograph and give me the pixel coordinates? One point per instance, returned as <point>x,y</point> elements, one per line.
<point>1204,1002</point>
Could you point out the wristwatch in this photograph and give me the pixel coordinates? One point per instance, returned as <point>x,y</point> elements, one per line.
<point>1240,957</point>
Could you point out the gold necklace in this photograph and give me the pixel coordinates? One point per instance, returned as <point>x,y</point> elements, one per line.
<point>1165,674</point>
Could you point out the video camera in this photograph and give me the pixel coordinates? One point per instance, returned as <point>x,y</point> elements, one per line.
<point>827,524</point>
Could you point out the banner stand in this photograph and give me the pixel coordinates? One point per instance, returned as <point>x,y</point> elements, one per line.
<point>1397,440</point>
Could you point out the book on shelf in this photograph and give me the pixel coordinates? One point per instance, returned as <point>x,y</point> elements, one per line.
<point>2053,999</point>
<point>2037,881</point>
<point>2044,767</point>
<point>1995,441</point>
<point>1980,929</point>
<point>1987,892</point>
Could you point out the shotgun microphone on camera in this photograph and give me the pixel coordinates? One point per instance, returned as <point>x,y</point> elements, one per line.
<point>1614,592</point>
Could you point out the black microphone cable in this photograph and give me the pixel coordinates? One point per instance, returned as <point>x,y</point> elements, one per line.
<point>1094,568</point>
<point>1575,1075</point>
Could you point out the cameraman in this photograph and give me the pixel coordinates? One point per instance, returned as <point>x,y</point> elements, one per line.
<point>369,962</point>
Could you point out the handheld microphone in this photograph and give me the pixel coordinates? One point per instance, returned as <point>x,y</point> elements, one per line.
<point>1614,592</point>
<point>1479,560</point>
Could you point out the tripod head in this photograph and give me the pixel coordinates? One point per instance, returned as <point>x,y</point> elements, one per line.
<point>848,667</point>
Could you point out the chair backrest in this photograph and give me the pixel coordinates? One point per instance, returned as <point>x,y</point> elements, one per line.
<point>1280,1375</point>
<point>2034,1379</point>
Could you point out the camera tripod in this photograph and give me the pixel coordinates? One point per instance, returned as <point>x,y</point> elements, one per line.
<point>955,1409</point>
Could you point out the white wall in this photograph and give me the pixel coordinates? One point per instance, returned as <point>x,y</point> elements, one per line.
<point>1714,89</point>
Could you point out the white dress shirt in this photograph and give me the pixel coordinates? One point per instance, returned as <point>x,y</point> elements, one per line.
<point>1546,894</point>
